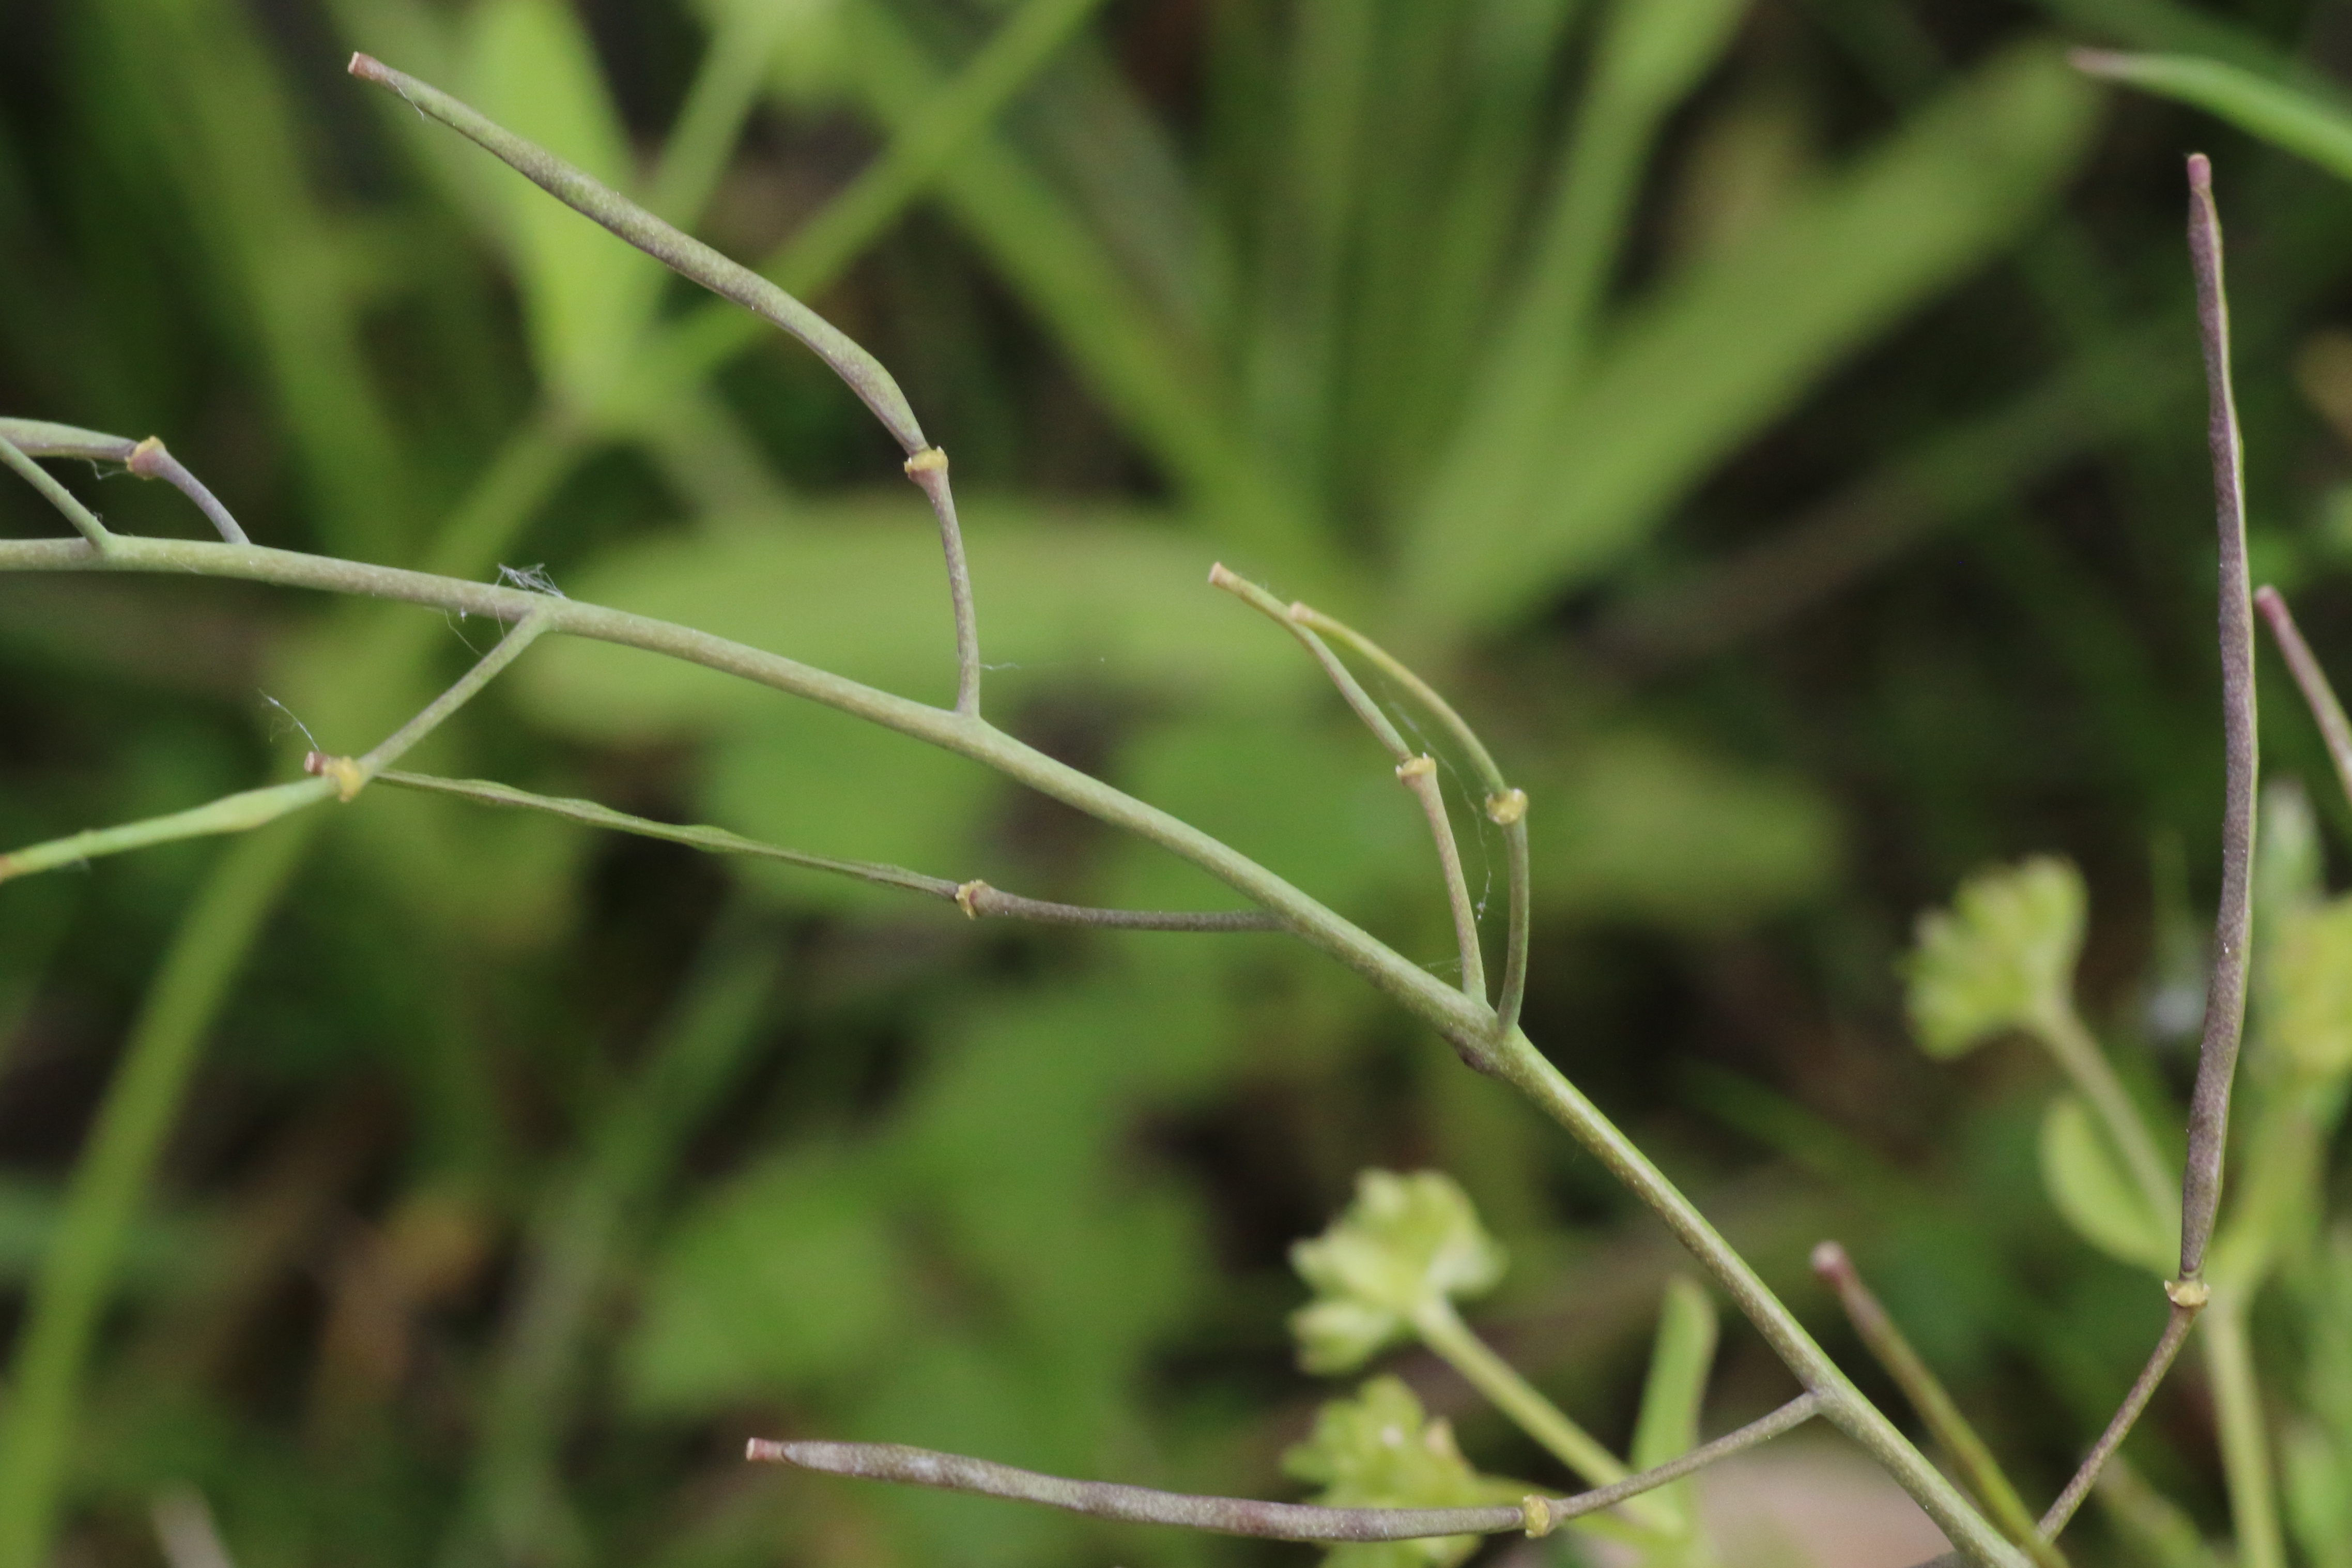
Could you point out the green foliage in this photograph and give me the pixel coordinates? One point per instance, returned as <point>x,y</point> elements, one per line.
<point>2312,977</point>
<point>1455,319</point>
<point>1406,1243</point>
<point>1379,1449</point>
<point>2086,1178</point>
<point>2002,958</point>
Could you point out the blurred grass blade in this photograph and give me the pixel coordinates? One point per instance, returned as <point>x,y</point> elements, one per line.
<point>197,98</point>
<point>1724,348</point>
<point>530,66</point>
<point>1651,54</point>
<point>1154,376</point>
<point>2301,123</point>
<point>109,1181</point>
<point>1667,1427</point>
<point>1934,1403</point>
<point>586,1226</point>
<point>816,255</point>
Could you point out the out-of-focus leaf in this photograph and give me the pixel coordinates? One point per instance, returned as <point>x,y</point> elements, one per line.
<point>2317,1485</point>
<point>2087,1182</point>
<point>1629,825</point>
<point>1136,358</point>
<point>200,101</point>
<point>1651,53</point>
<point>2001,957</point>
<point>1667,1427</point>
<point>810,62</point>
<point>784,1276</point>
<point>1316,802</point>
<point>1724,348</point>
<point>1405,1243</point>
<point>2300,122</point>
<point>1381,1449</point>
<point>2311,986</point>
<point>1107,599</point>
<point>807,778</point>
<point>586,295</point>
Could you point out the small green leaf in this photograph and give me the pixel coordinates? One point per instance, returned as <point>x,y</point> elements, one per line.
<point>1405,1242</point>
<point>2301,123</point>
<point>2001,957</point>
<point>1634,823</point>
<point>2311,986</point>
<point>782,1277</point>
<point>2088,1184</point>
<point>587,297</point>
<point>1381,1449</point>
<point>1667,1427</point>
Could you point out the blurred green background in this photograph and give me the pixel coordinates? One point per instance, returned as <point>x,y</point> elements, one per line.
<point>1778,426</point>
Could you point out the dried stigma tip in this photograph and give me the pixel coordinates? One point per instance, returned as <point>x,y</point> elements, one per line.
<point>1507,807</point>
<point>365,66</point>
<point>147,459</point>
<point>1219,577</point>
<point>765,1449</point>
<point>1831,1264</point>
<point>343,771</point>
<point>2201,174</point>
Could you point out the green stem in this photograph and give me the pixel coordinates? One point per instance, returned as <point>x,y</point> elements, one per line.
<point>1933,1401</point>
<point>977,900</point>
<point>582,191</point>
<point>1465,1023</point>
<point>1416,772</point>
<point>1442,1330</point>
<point>2318,694</point>
<point>249,809</point>
<point>211,943</point>
<point>1518,1063</point>
<point>585,1227</point>
<point>1505,806</point>
<point>110,1178</point>
<point>2245,1441</point>
<point>2063,1031</point>
<point>84,519</point>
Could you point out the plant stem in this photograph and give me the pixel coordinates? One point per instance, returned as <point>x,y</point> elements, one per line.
<point>1537,1515</point>
<point>1415,771</point>
<point>2317,693</point>
<point>1444,1332</point>
<point>929,469</point>
<point>1506,806</point>
<point>2245,1442</point>
<point>2225,996</point>
<point>2187,1302</point>
<point>1464,1024</point>
<point>586,1223</point>
<point>1522,1066</point>
<point>976,899</point>
<point>209,946</point>
<point>148,459</point>
<point>1933,1401</point>
<point>253,808</point>
<point>84,519</point>
<point>2062,1030</point>
<point>110,1179</point>
<point>592,198</point>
